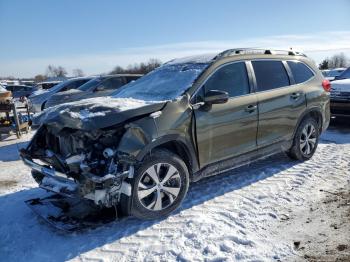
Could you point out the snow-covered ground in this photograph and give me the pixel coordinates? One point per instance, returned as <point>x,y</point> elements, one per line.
<point>272,210</point>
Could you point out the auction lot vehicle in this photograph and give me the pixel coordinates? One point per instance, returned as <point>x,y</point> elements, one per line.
<point>99,86</point>
<point>332,74</point>
<point>38,99</point>
<point>191,118</point>
<point>340,98</point>
<point>19,91</point>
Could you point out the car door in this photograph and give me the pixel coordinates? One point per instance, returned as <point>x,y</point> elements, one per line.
<point>229,129</point>
<point>280,101</point>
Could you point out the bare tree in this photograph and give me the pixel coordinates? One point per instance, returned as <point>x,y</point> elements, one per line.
<point>39,78</point>
<point>78,72</point>
<point>53,71</point>
<point>338,60</point>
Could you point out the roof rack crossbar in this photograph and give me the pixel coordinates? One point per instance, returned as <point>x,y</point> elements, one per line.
<point>254,51</point>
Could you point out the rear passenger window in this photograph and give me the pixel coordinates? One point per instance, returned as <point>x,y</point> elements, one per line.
<point>270,75</point>
<point>231,78</point>
<point>301,72</point>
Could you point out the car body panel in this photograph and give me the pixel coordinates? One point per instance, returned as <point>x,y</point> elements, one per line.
<point>226,129</point>
<point>20,90</point>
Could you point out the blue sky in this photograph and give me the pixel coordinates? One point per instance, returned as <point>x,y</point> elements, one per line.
<point>97,35</point>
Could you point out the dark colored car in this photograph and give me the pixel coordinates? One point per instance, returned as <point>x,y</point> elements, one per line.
<point>97,87</point>
<point>39,98</point>
<point>188,119</point>
<point>19,91</point>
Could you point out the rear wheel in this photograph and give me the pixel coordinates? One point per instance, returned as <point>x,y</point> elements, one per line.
<point>305,140</point>
<point>160,185</point>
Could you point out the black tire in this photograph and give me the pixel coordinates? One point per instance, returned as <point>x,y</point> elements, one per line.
<point>163,158</point>
<point>296,151</point>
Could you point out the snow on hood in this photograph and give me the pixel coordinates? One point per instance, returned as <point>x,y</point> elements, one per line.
<point>93,113</point>
<point>196,59</point>
<point>341,85</point>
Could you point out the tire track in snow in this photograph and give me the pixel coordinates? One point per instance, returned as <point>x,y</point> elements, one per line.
<point>231,216</point>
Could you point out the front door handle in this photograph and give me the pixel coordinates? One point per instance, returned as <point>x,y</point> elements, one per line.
<point>295,95</point>
<point>251,108</point>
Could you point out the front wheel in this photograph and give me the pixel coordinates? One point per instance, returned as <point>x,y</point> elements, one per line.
<point>305,140</point>
<point>159,186</point>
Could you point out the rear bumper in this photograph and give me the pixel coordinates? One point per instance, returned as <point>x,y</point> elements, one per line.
<point>340,107</point>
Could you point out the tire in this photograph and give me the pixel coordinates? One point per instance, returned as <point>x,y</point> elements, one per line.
<point>305,141</point>
<point>159,186</point>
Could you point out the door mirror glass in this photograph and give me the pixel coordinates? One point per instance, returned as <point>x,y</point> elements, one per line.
<point>216,97</point>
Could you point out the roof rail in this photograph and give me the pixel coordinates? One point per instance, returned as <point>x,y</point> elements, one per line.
<point>256,51</point>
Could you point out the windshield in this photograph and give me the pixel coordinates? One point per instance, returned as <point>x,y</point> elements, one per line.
<point>59,86</point>
<point>91,84</point>
<point>345,74</point>
<point>165,83</point>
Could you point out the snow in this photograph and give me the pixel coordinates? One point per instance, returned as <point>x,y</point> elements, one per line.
<point>39,92</point>
<point>196,59</point>
<point>253,213</point>
<point>168,82</point>
<point>108,103</point>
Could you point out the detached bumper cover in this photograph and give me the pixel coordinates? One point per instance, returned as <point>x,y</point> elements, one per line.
<point>68,214</point>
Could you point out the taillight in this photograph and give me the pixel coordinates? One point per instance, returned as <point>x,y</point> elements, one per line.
<point>326,85</point>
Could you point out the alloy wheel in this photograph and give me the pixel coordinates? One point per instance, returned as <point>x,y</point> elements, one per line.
<point>159,186</point>
<point>308,139</point>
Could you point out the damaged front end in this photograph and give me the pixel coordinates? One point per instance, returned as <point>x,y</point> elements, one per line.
<point>81,164</point>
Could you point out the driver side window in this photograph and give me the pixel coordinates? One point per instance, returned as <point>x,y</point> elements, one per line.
<point>231,78</point>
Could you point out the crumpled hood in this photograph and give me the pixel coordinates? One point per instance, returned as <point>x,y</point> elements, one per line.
<point>341,85</point>
<point>95,113</point>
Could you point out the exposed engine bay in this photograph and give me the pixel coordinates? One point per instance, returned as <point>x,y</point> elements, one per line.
<point>78,163</point>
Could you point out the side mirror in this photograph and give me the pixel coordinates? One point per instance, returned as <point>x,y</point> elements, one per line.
<point>216,97</point>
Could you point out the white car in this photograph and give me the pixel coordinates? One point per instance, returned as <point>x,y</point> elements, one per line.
<point>340,97</point>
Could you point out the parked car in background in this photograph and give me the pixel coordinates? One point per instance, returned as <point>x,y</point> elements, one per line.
<point>19,91</point>
<point>38,99</point>
<point>47,84</point>
<point>344,75</point>
<point>331,74</point>
<point>190,118</point>
<point>340,95</point>
<point>97,87</point>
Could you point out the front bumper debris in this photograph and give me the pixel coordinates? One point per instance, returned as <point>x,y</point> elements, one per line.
<point>103,191</point>
<point>69,214</point>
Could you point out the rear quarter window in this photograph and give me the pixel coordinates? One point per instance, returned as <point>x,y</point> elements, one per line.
<point>300,71</point>
<point>270,75</point>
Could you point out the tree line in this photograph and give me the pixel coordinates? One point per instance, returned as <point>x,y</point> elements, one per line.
<point>138,68</point>
<point>336,61</point>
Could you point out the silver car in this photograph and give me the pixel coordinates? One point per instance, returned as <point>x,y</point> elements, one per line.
<point>38,99</point>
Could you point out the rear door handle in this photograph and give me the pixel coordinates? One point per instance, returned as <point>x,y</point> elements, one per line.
<point>295,95</point>
<point>251,108</point>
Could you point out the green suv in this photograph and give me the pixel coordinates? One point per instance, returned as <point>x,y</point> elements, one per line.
<point>191,118</point>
